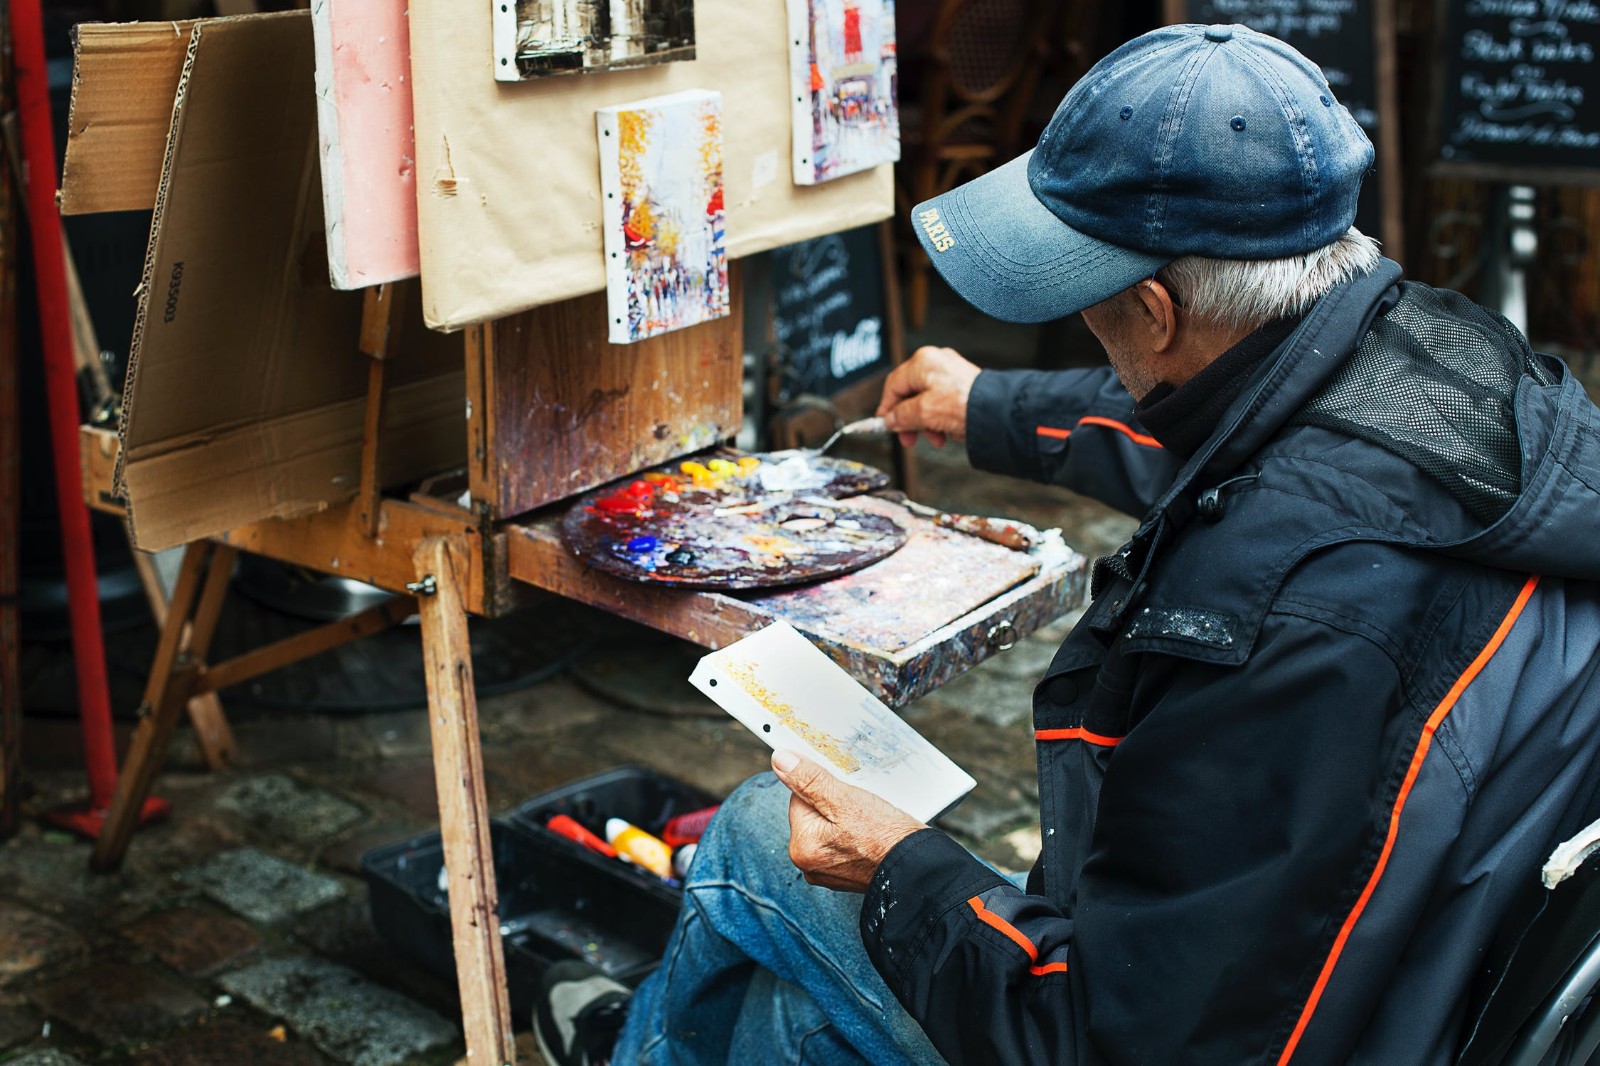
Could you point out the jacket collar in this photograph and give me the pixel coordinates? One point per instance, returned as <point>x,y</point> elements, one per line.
<point>1298,370</point>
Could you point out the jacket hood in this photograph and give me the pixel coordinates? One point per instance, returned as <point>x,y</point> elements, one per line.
<point>1454,389</point>
<point>1553,525</point>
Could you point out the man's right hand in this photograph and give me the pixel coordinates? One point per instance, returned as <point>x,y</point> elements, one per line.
<point>928,394</point>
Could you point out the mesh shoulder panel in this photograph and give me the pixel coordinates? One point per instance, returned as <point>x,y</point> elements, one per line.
<point>1434,381</point>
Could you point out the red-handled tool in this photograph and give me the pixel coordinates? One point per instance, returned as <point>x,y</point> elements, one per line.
<point>562,825</point>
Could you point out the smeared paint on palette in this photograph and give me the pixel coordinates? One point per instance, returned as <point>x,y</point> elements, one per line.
<point>734,522</point>
<point>940,575</point>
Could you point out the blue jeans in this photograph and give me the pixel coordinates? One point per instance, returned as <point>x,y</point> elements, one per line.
<point>762,967</point>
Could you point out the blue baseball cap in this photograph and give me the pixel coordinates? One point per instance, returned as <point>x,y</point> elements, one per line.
<point>1189,140</point>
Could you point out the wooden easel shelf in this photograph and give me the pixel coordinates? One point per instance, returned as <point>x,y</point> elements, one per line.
<point>902,627</point>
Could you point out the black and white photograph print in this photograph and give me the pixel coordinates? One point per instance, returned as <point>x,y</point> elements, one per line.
<point>539,38</point>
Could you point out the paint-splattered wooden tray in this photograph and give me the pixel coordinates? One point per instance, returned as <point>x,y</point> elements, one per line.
<point>744,522</point>
<point>952,626</point>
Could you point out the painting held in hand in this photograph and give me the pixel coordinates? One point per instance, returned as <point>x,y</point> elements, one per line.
<point>661,180</point>
<point>734,523</point>
<point>783,689</point>
<point>537,38</point>
<point>842,73</point>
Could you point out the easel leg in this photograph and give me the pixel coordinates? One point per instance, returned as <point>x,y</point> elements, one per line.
<point>206,718</point>
<point>191,611</point>
<point>463,806</point>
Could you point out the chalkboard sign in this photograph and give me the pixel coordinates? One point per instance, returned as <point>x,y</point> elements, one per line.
<point>828,314</point>
<point>1353,42</point>
<point>1519,98</point>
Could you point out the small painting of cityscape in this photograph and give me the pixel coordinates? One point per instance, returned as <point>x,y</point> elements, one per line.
<point>842,67</point>
<point>535,38</point>
<point>661,180</point>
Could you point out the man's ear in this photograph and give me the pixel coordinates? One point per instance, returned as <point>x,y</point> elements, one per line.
<point>1158,312</point>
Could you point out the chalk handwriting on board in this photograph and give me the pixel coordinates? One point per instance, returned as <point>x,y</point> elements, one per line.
<point>1318,28</point>
<point>829,312</point>
<point>1521,87</point>
<point>1287,18</point>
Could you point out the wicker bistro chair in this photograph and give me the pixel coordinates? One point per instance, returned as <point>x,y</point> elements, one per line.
<point>979,69</point>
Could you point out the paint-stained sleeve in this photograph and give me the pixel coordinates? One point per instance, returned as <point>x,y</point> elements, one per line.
<point>1074,428</point>
<point>1232,822</point>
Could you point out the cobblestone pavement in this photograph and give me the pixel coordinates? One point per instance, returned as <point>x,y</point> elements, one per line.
<point>238,930</point>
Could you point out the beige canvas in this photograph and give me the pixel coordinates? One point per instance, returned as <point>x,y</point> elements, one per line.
<point>508,189</point>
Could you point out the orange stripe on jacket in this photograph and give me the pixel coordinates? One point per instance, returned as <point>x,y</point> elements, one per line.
<point>1077,733</point>
<point>993,920</point>
<point>1096,420</point>
<point>1423,744</point>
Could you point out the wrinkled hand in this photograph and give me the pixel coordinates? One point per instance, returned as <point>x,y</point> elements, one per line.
<point>838,833</point>
<point>928,393</point>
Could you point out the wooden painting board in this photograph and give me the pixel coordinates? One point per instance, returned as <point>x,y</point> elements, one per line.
<point>508,193</point>
<point>554,409</point>
<point>369,187</point>
<point>773,520</point>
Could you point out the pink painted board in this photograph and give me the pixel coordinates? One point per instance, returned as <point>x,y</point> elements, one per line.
<point>365,138</point>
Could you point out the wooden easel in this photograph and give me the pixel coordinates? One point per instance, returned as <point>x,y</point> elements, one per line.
<point>446,560</point>
<point>436,559</point>
<point>551,410</point>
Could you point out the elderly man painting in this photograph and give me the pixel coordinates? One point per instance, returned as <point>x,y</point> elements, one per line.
<point>1331,705</point>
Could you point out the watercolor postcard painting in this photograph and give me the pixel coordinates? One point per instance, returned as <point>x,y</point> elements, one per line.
<point>842,66</point>
<point>786,690</point>
<point>537,38</point>
<point>661,180</point>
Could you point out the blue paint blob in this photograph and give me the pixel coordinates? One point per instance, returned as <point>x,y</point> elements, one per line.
<point>642,544</point>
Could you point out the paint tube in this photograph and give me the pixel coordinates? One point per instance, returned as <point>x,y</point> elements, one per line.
<point>639,847</point>
<point>565,826</point>
<point>687,828</point>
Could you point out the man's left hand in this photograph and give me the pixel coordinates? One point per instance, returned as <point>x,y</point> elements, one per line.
<point>838,833</point>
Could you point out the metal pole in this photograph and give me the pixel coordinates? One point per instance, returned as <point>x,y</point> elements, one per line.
<point>55,324</point>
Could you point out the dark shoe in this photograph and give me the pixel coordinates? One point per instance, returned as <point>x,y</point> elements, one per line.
<point>578,1016</point>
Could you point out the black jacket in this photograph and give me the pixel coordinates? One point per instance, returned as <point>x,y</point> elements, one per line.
<point>1330,709</point>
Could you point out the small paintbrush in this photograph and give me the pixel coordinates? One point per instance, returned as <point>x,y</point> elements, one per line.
<point>1008,533</point>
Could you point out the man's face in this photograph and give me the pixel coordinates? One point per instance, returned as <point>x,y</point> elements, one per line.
<point>1114,323</point>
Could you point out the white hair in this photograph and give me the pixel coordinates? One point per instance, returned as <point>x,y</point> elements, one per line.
<point>1248,293</point>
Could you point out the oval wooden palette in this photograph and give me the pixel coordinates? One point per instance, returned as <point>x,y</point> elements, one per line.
<point>768,521</point>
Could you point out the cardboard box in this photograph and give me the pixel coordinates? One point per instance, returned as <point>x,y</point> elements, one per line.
<point>124,77</point>
<point>246,389</point>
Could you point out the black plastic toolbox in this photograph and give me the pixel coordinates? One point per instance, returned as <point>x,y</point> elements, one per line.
<point>644,797</point>
<point>558,900</point>
<point>553,906</point>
